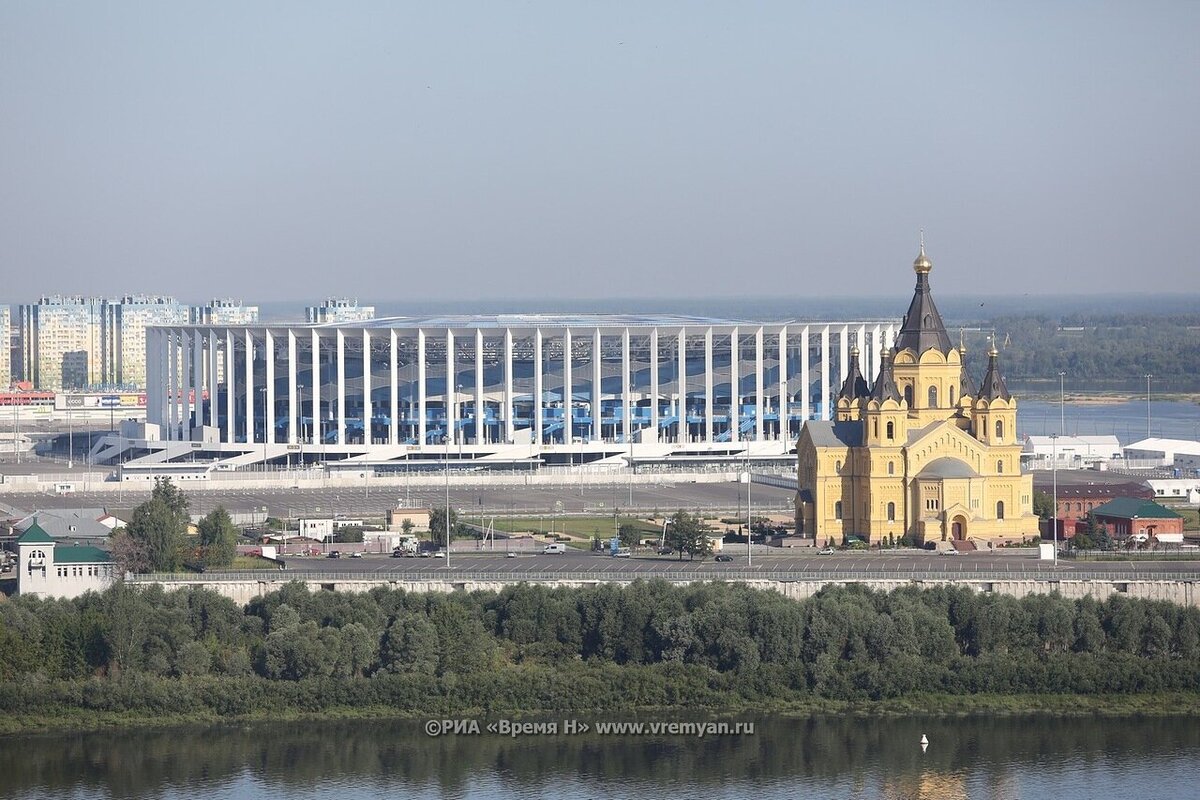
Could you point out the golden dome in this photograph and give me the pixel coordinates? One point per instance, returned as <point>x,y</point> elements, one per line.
<point>922,265</point>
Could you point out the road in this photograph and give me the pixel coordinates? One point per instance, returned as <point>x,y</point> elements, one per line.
<point>908,564</point>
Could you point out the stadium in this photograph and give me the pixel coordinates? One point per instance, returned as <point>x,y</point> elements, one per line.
<point>495,391</point>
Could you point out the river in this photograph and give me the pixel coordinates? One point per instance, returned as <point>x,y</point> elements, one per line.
<point>993,757</point>
<point>1126,420</point>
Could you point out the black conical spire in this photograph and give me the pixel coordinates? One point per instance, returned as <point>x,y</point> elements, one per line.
<point>993,382</point>
<point>885,384</point>
<point>922,327</point>
<point>855,385</point>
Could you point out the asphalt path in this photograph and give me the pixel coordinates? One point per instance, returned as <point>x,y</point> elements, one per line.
<point>488,501</point>
<point>906,564</point>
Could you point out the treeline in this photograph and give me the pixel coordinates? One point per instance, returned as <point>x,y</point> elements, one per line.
<point>531,647</point>
<point>1098,350</point>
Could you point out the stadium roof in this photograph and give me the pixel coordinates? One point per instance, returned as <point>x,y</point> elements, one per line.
<point>502,321</point>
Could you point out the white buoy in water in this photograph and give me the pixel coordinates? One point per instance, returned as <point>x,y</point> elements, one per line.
<point>924,742</point>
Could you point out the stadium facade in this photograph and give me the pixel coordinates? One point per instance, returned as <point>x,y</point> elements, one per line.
<point>552,388</point>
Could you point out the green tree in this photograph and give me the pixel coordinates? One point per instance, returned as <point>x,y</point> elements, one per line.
<point>218,539</point>
<point>348,534</point>
<point>159,525</point>
<point>406,527</point>
<point>437,525</point>
<point>1043,505</point>
<point>628,532</point>
<point>687,533</point>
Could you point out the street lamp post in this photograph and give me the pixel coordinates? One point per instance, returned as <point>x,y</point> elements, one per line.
<point>1062,405</point>
<point>447,510</point>
<point>1148,377</point>
<point>749,516</point>
<point>1054,517</point>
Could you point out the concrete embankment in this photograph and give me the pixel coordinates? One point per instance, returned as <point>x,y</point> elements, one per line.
<point>244,589</point>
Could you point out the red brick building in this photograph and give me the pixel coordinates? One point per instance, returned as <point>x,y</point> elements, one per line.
<point>1076,497</point>
<point>1142,521</point>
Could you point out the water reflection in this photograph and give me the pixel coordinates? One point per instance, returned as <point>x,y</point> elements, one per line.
<point>986,757</point>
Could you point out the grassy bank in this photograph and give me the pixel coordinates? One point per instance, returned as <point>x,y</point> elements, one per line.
<point>73,719</point>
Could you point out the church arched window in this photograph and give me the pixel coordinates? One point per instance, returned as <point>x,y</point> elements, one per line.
<point>933,397</point>
<point>999,509</point>
<point>891,508</point>
<point>951,395</point>
<point>891,430</point>
<point>999,429</point>
<point>838,468</point>
<point>999,467</point>
<point>908,397</point>
<point>837,510</point>
<point>891,467</point>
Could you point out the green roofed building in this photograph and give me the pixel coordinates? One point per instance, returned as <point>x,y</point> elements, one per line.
<point>47,568</point>
<point>1142,521</point>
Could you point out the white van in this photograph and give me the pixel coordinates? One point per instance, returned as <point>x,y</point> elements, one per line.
<point>554,550</point>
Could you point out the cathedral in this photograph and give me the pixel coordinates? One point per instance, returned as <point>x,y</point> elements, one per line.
<point>922,453</point>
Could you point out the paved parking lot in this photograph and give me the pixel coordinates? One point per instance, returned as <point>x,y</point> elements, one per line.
<point>496,501</point>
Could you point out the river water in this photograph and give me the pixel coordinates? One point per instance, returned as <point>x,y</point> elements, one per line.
<point>1127,420</point>
<point>992,757</point>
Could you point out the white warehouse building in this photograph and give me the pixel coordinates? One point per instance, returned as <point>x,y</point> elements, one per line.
<point>509,388</point>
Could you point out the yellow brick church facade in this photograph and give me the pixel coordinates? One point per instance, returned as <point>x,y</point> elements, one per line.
<point>922,452</point>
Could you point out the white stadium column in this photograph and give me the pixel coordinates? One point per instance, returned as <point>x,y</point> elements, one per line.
<point>185,380</point>
<point>317,435</point>
<point>211,346</point>
<point>597,378</point>
<point>249,387</point>
<point>805,378</point>
<point>626,390</point>
<point>198,376</point>
<point>568,391</point>
<point>368,413</point>
<point>876,352</point>
<point>394,384</point>
<point>293,404</point>
<point>890,341</point>
<point>269,416</point>
<point>479,409</point>
<point>708,384</point>
<point>152,384</point>
<point>173,384</point>
<point>760,432</point>
<point>681,426</point>
<point>825,411</point>
<point>654,398</point>
<point>421,433</point>
<point>340,344</point>
<point>451,389</point>
<point>537,385</point>
<point>862,349</point>
<point>230,387</point>
<point>784,398</point>
<point>509,428</point>
<point>844,355</point>
<point>735,385</point>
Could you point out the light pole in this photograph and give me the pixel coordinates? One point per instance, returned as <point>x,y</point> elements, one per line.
<point>749,516</point>
<point>1054,516</point>
<point>70,439</point>
<point>1148,377</point>
<point>1062,404</point>
<point>447,510</point>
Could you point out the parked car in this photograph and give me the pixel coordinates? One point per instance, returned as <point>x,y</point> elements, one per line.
<point>622,552</point>
<point>554,549</point>
<point>665,551</point>
<point>335,554</point>
<point>423,554</point>
<point>510,554</point>
<point>826,551</point>
<point>723,558</point>
<point>439,554</point>
<point>356,554</point>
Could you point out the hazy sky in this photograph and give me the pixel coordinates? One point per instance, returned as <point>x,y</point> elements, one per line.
<point>289,150</point>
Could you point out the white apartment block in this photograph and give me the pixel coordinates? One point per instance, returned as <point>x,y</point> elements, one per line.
<point>6,376</point>
<point>62,341</point>
<point>223,311</point>
<point>338,309</point>
<point>73,342</point>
